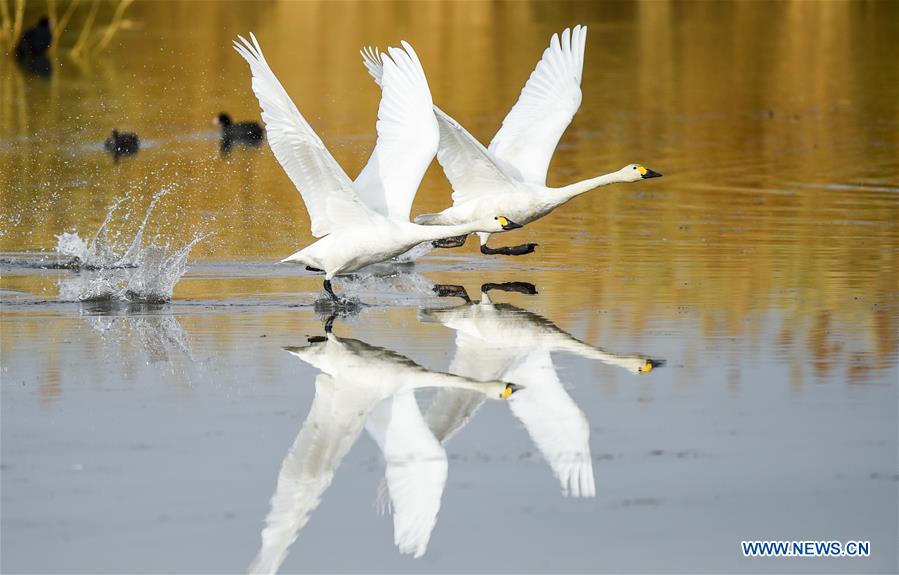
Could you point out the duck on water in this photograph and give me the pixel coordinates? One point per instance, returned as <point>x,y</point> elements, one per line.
<point>243,133</point>
<point>122,144</point>
<point>31,49</point>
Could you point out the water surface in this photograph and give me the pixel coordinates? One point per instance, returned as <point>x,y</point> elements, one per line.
<point>762,268</point>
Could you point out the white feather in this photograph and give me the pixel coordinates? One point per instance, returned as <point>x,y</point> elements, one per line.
<point>325,188</point>
<point>407,136</point>
<point>548,102</point>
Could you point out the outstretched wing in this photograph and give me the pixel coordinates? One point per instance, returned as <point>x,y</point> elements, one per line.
<point>470,168</point>
<point>450,410</point>
<point>557,426</point>
<point>548,102</point>
<point>330,430</point>
<point>324,186</point>
<point>416,469</point>
<point>407,134</point>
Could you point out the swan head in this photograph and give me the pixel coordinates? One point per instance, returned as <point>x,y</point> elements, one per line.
<point>509,389</point>
<point>646,365</point>
<point>636,172</point>
<point>503,224</point>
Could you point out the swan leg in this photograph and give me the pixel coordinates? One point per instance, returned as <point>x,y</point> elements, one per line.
<point>449,290</point>
<point>519,250</point>
<point>454,242</point>
<point>330,291</point>
<point>518,287</point>
<point>312,269</point>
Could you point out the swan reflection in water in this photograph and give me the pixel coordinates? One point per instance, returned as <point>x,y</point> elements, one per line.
<point>502,352</point>
<point>364,386</point>
<point>501,341</point>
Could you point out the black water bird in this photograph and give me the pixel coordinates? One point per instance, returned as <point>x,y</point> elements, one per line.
<point>35,41</point>
<point>31,49</point>
<point>246,133</point>
<point>122,144</point>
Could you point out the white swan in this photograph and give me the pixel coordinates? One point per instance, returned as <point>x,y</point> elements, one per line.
<point>509,343</point>
<point>352,234</point>
<point>510,176</point>
<point>416,469</point>
<point>357,377</point>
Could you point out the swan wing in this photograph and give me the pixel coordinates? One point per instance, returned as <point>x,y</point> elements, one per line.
<point>326,189</point>
<point>328,433</point>
<point>470,168</point>
<point>371,59</point>
<point>450,410</point>
<point>416,469</point>
<point>407,135</point>
<point>557,426</point>
<point>548,102</point>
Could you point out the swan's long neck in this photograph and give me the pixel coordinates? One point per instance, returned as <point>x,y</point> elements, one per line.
<point>565,342</point>
<point>425,378</point>
<point>566,193</point>
<point>439,232</point>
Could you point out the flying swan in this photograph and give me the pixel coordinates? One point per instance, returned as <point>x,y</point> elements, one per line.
<point>362,385</point>
<point>501,341</point>
<point>352,234</point>
<point>509,177</point>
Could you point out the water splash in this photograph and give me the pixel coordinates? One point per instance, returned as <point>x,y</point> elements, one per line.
<point>159,333</point>
<point>103,252</point>
<point>113,268</point>
<point>388,282</point>
<point>415,253</point>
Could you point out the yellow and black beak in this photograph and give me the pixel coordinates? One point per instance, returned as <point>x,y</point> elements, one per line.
<point>508,224</point>
<point>650,364</point>
<point>647,173</point>
<point>510,389</point>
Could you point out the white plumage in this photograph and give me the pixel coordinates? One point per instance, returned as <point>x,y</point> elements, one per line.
<point>510,176</point>
<point>356,382</point>
<point>548,102</point>
<point>353,234</point>
<point>501,341</point>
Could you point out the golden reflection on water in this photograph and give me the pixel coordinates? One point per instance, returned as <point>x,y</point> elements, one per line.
<point>776,125</point>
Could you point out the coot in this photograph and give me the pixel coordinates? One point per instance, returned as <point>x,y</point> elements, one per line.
<point>122,144</point>
<point>35,41</point>
<point>246,133</point>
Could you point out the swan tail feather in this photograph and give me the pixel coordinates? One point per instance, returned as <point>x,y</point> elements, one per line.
<point>299,258</point>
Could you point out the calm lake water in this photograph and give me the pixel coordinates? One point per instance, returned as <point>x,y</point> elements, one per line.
<point>206,433</point>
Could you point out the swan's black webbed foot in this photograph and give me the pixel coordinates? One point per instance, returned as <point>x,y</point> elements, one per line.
<point>316,270</point>
<point>316,339</point>
<point>454,242</point>
<point>450,290</point>
<point>517,287</point>
<point>519,250</point>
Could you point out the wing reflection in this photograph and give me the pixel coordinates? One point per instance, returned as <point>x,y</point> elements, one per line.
<point>416,469</point>
<point>501,341</point>
<point>363,385</point>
